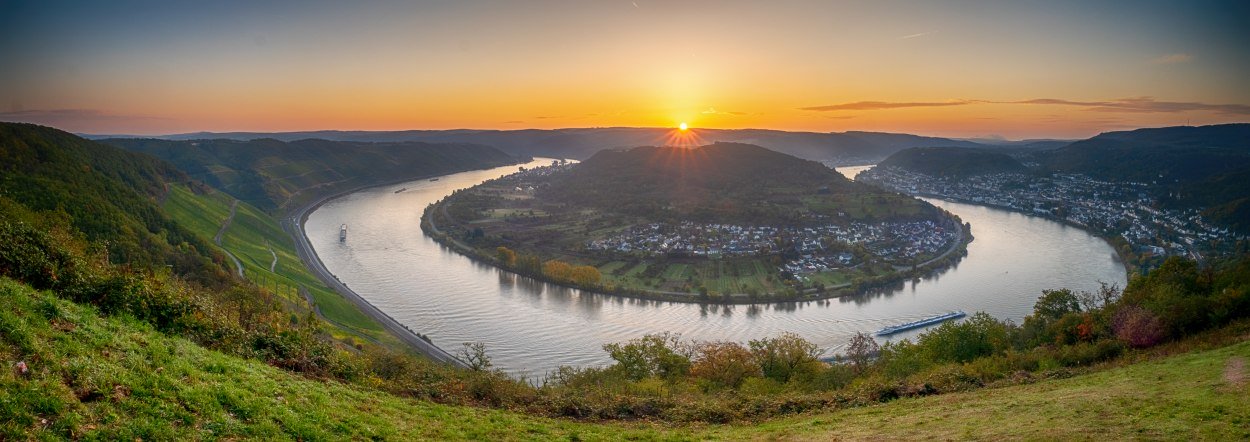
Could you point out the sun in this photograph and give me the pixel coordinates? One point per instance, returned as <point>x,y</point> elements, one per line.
<point>683,126</point>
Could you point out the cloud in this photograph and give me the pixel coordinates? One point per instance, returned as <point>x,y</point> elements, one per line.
<point>60,116</point>
<point>1143,105</point>
<point>1172,59</point>
<point>922,34</point>
<point>713,111</point>
<point>879,105</point>
<point>1119,105</point>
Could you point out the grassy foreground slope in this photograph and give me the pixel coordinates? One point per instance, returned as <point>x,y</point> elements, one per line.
<point>251,236</point>
<point>116,378</point>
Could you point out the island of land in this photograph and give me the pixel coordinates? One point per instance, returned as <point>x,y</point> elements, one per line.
<point>725,222</point>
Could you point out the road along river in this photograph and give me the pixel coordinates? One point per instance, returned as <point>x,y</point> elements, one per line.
<point>530,327</point>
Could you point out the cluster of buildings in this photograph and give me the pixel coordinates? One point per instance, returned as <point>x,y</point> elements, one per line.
<point>1122,209</point>
<point>808,249</point>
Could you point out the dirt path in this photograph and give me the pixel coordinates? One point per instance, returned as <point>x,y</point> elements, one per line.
<point>222,231</point>
<point>273,264</point>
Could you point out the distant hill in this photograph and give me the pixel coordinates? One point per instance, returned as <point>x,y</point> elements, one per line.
<point>272,174</point>
<point>1189,167</point>
<point>721,182</point>
<point>953,161</point>
<point>841,147</point>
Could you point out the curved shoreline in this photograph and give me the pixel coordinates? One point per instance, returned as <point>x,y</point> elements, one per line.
<point>294,225</point>
<point>935,264</point>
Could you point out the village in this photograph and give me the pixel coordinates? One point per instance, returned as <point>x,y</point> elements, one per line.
<point>1117,209</point>
<point>805,249</point>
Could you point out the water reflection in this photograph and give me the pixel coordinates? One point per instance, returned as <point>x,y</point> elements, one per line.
<point>531,327</point>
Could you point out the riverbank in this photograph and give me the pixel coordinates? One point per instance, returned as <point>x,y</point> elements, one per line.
<point>935,265</point>
<point>294,223</point>
<point>1116,242</point>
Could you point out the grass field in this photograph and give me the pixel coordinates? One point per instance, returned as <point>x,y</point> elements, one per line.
<point>250,237</point>
<point>115,378</point>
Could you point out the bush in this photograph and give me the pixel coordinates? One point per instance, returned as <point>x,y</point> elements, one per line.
<point>1138,327</point>
<point>725,364</point>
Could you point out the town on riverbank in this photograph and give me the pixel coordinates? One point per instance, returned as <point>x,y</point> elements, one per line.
<point>1124,213</point>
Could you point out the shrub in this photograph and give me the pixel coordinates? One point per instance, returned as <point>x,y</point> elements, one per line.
<point>1138,327</point>
<point>725,364</point>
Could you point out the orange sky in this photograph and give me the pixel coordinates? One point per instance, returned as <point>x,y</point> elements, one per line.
<point>1052,69</point>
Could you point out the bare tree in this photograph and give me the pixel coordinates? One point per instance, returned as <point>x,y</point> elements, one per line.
<point>474,354</point>
<point>861,350</point>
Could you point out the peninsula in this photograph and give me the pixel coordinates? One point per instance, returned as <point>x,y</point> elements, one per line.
<point>725,222</point>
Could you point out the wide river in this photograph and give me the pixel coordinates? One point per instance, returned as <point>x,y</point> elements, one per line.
<point>530,327</point>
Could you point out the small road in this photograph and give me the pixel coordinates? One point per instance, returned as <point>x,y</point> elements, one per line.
<point>295,227</point>
<point>222,231</point>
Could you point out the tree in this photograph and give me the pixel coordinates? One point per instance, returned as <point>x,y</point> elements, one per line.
<point>783,357</point>
<point>726,364</point>
<point>861,350</point>
<point>1053,304</point>
<point>557,270</point>
<point>474,354</point>
<point>506,256</point>
<point>586,276</point>
<point>660,355</point>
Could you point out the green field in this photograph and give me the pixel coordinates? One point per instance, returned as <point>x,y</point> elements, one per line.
<point>250,237</point>
<point>116,378</point>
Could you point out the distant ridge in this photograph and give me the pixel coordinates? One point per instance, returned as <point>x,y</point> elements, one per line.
<point>273,174</point>
<point>853,147</point>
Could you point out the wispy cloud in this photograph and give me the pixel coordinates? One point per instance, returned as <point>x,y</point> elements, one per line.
<point>1143,105</point>
<point>57,116</point>
<point>879,105</point>
<point>1119,105</point>
<point>1172,59</point>
<point>911,36</point>
<point>713,111</point>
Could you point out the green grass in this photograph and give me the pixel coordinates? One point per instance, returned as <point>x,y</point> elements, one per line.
<point>115,378</point>
<point>249,237</point>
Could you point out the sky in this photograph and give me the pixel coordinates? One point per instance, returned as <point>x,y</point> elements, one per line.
<point>1011,69</point>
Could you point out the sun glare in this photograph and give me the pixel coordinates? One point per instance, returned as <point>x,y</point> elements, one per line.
<point>683,126</point>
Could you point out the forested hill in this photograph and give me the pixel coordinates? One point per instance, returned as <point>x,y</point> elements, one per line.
<point>953,161</point>
<point>721,182</point>
<point>1188,167</point>
<point>109,195</point>
<point>278,175</point>
<point>852,147</point>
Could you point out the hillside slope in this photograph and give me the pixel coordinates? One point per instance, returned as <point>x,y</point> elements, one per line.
<point>721,182</point>
<point>953,161</point>
<point>110,195</point>
<point>1190,167</point>
<point>276,175</point>
<point>96,378</point>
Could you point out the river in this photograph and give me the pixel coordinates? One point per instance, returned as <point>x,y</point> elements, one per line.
<point>530,327</point>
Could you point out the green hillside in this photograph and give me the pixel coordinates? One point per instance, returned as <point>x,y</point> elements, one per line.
<point>953,161</point>
<point>109,195</point>
<point>275,175</point>
<point>256,239</point>
<point>722,183</point>
<point>1189,167</point>
<point>116,378</point>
